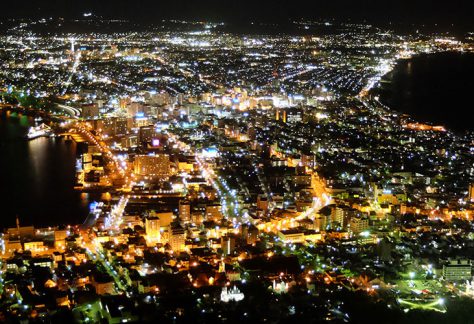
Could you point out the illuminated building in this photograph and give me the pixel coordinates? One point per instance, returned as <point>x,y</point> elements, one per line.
<point>87,162</point>
<point>281,115</point>
<point>291,236</point>
<point>114,126</point>
<point>42,262</point>
<point>281,287</point>
<point>23,231</point>
<point>293,116</point>
<point>152,165</point>
<point>103,284</point>
<point>228,244</point>
<point>142,121</point>
<point>262,203</point>
<point>121,126</point>
<point>457,270</point>
<point>185,165</point>
<point>250,233</point>
<point>213,212</point>
<point>152,229</point>
<point>184,211</point>
<point>34,246</point>
<point>146,134</point>
<point>177,237</point>
<point>129,141</point>
<point>358,224</point>
<point>197,217</point>
<point>165,217</point>
<point>321,222</point>
<point>60,238</point>
<point>232,294</point>
<point>337,216</point>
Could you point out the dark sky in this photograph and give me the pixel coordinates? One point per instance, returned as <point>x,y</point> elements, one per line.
<point>412,11</point>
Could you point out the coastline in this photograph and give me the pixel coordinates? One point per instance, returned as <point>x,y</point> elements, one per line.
<point>400,91</point>
<point>40,165</point>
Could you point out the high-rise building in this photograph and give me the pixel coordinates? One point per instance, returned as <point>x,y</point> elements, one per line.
<point>152,229</point>
<point>358,224</point>
<point>184,211</point>
<point>152,165</point>
<point>121,126</point>
<point>337,216</point>
<point>146,133</point>
<point>177,237</point>
<point>228,244</point>
<point>213,212</point>
<point>60,236</point>
<point>262,203</point>
<point>321,222</point>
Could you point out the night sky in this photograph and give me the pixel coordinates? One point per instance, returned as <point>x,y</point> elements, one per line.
<point>460,12</point>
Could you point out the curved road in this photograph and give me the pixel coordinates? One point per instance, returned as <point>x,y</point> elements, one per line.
<point>73,112</point>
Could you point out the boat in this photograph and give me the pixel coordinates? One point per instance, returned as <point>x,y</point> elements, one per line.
<point>42,130</point>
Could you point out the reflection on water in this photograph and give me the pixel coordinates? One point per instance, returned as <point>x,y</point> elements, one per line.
<point>25,120</point>
<point>37,158</point>
<point>37,177</point>
<point>86,199</point>
<point>409,67</point>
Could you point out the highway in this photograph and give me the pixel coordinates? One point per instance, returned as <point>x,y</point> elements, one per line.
<point>73,112</point>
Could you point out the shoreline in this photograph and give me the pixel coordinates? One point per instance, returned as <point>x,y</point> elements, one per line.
<point>45,158</point>
<point>387,94</point>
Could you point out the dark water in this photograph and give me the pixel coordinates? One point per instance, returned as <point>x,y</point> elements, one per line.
<point>37,177</point>
<point>436,88</point>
